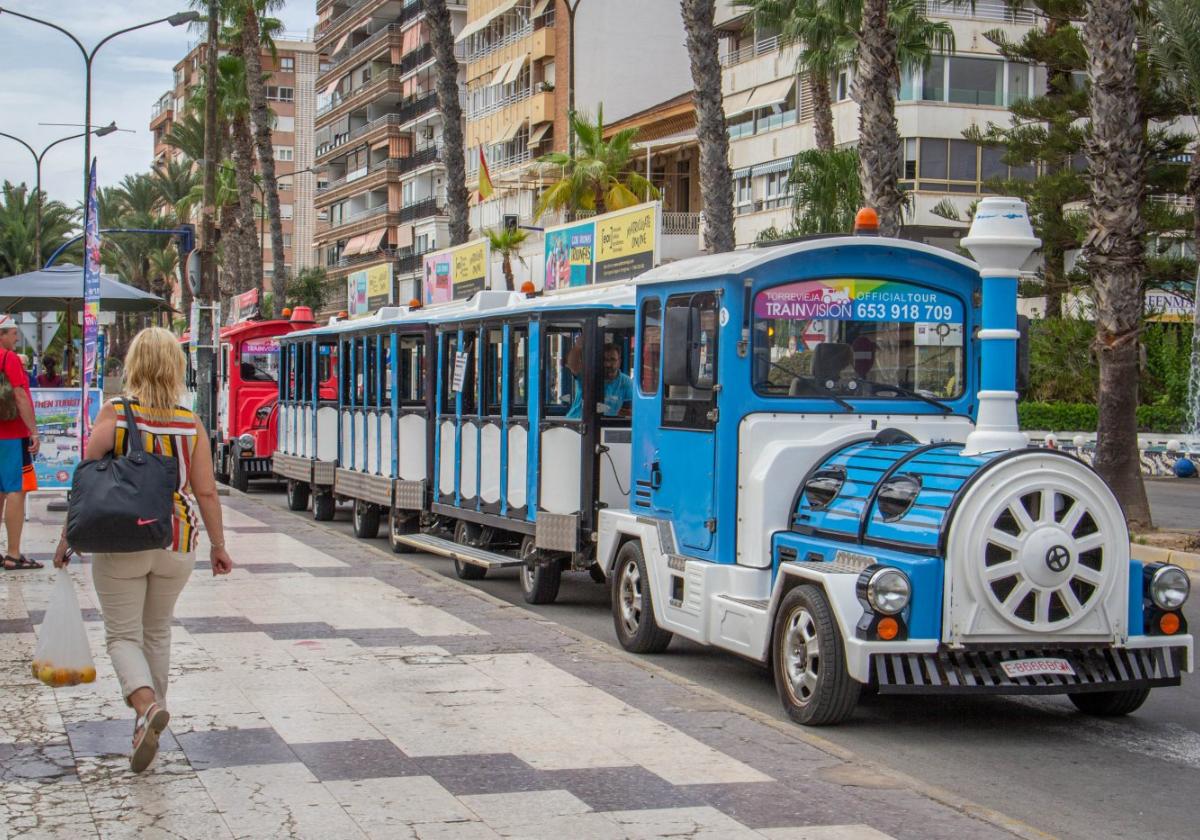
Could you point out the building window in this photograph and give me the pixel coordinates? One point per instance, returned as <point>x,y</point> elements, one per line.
<point>287,65</point>
<point>970,80</point>
<point>287,238</point>
<point>842,83</point>
<point>325,65</point>
<point>280,94</point>
<point>741,125</point>
<point>283,183</point>
<point>284,153</point>
<point>178,76</point>
<point>743,193</point>
<point>778,192</point>
<point>285,123</point>
<point>285,211</point>
<point>938,164</point>
<point>976,81</point>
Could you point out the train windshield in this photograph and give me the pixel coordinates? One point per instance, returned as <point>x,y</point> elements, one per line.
<point>260,360</point>
<point>858,338</point>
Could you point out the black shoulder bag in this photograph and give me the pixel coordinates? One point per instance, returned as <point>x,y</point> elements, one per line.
<point>123,504</point>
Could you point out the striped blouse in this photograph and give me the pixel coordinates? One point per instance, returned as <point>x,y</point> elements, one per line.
<point>174,434</point>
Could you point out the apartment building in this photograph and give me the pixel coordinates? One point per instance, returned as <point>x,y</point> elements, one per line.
<point>770,116</point>
<point>378,136</point>
<point>292,72</point>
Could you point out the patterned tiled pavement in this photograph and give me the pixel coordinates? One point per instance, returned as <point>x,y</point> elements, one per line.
<point>327,689</point>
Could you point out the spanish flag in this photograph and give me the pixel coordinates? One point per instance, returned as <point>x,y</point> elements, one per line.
<point>485,178</point>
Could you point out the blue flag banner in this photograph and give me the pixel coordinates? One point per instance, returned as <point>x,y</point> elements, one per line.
<point>91,305</point>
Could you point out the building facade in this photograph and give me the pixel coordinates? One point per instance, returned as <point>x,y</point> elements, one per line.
<point>769,111</point>
<point>292,72</point>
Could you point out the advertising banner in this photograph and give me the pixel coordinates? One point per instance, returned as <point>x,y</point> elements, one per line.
<point>457,273</point>
<point>858,300</point>
<point>243,307</point>
<point>369,289</point>
<point>57,412</point>
<point>615,246</point>
<point>91,304</point>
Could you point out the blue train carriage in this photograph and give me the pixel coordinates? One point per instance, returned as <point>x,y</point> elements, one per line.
<point>532,432</point>
<point>828,477</point>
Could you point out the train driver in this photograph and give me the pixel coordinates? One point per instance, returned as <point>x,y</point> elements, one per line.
<point>618,385</point>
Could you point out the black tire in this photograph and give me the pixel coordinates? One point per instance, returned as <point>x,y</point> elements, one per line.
<point>297,495</point>
<point>540,578</point>
<point>221,461</point>
<point>239,479</point>
<point>597,573</point>
<point>814,693</point>
<point>398,527</point>
<point>633,606</point>
<point>366,520</point>
<point>467,533</point>
<point>324,506</point>
<point>1110,703</point>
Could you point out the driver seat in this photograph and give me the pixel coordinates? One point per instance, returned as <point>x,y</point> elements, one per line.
<point>829,360</point>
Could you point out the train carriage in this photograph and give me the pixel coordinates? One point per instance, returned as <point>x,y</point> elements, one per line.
<point>828,477</point>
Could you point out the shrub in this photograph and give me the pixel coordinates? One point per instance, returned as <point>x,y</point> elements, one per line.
<point>1083,417</point>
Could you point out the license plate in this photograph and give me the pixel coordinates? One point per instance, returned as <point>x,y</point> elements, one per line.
<point>1043,666</point>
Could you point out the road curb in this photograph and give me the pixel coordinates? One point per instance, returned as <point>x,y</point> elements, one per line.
<point>938,794</point>
<point>1154,554</point>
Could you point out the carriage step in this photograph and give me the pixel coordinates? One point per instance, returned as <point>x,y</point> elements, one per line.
<point>456,551</point>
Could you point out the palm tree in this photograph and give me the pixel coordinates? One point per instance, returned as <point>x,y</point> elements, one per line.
<point>1114,248</point>
<point>308,288</point>
<point>878,136</point>
<point>600,177</point>
<point>18,209</point>
<point>234,103</point>
<point>716,179</point>
<point>174,179</point>
<point>506,242</point>
<point>187,132</point>
<point>825,190</point>
<point>437,19</point>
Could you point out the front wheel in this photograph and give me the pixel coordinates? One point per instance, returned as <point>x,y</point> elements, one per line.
<point>324,506</point>
<point>1110,703</point>
<point>366,520</point>
<point>633,606</point>
<point>809,660</point>
<point>239,479</point>
<point>540,579</point>
<point>297,495</point>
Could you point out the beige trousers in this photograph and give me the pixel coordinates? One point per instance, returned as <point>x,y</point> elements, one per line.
<point>137,592</point>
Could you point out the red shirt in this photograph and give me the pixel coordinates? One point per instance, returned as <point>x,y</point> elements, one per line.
<point>12,367</point>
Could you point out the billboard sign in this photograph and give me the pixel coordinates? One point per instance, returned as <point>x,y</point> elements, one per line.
<point>369,289</point>
<point>614,246</point>
<point>457,273</point>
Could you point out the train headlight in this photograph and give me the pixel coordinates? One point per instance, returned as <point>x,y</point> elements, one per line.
<point>888,591</point>
<point>1169,588</point>
<point>246,440</point>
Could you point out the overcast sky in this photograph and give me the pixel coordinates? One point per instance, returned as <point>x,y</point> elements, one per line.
<point>41,80</point>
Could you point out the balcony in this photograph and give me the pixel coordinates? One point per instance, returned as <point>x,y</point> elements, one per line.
<point>363,221</point>
<point>373,125</point>
<point>368,180</point>
<point>752,51</point>
<point>388,79</point>
<point>979,10</point>
<point>420,210</point>
<point>417,107</point>
<point>355,13</point>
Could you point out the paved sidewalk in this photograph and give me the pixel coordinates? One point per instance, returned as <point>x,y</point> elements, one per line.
<point>327,689</point>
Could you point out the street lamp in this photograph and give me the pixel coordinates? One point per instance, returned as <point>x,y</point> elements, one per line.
<point>38,157</point>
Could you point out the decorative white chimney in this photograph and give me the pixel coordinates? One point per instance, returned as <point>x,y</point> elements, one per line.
<point>1001,240</point>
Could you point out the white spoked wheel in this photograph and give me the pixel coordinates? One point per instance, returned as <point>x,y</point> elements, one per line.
<point>1043,545</point>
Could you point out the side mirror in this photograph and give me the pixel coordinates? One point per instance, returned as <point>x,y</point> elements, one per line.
<point>676,347</point>
<point>1023,363</point>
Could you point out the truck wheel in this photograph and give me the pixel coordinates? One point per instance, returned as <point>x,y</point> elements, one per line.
<point>1110,703</point>
<point>632,605</point>
<point>810,660</point>
<point>220,459</point>
<point>399,527</point>
<point>239,479</point>
<point>366,520</point>
<point>324,506</point>
<point>297,495</point>
<point>467,533</point>
<point>540,579</point>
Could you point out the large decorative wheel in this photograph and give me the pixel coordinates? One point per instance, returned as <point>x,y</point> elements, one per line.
<point>1043,542</point>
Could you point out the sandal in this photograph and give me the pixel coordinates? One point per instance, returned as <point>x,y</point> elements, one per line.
<point>14,564</point>
<point>145,747</point>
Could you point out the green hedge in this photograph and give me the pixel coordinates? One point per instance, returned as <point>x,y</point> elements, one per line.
<point>1083,417</point>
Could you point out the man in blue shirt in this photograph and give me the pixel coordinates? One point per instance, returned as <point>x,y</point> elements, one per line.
<point>618,386</point>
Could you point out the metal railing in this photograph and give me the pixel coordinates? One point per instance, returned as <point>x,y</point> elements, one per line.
<point>416,160</point>
<point>502,42</point>
<point>680,224</point>
<point>413,59</point>
<point>502,103</point>
<point>414,108</point>
<point>751,51</point>
<point>979,10</point>
<point>165,103</point>
<point>390,75</point>
<point>410,11</point>
<point>354,134</point>
<point>361,214</point>
<point>420,210</point>
<point>352,50</point>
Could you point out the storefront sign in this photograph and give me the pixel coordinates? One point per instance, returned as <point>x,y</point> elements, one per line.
<point>56,411</point>
<point>369,289</point>
<point>615,246</point>
<point>457,273</point>
<point>1162,305</point>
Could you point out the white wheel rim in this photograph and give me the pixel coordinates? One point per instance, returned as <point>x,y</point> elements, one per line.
<point>631,597</point>
<point>801,655</point>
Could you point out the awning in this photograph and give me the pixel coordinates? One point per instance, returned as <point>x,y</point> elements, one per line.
<point>736,103</point>
<point>539,133</point>
<point>354,246</point>
<point>772,93</point>
<point>500,74</point>
<point>372,240</point>
<point>510,131</point>
<point>337,48</point>
<point>744,172</point>
<point>663,144</point>
<point>539,8</point>
<point>329,88</point>
<point>514,69</point>
<point>481,23</point>
<point>404,236</point>
<point>781,165</point>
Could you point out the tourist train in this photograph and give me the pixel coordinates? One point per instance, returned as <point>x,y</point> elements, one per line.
<point>806,454</point>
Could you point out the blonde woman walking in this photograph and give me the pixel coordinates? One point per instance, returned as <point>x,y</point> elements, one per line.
<point>138,590</point>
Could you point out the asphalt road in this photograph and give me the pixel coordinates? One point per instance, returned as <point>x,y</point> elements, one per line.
<point>1035,759</point>
<point>1175,503</point>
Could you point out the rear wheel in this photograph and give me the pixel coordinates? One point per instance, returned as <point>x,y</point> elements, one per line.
<point>400,527</point>
<point>1110,703</point>
<point>467,533</point>
<point>633,606</point>
<point>540,579</point>
<point>220,459</point>
<point>324,506</point>
<point>239,479</point>
<point>366,520</point>
<point>810,660</point>
<point>297,495</point>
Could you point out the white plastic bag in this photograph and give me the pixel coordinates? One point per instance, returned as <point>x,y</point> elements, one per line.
<point>62,656</point>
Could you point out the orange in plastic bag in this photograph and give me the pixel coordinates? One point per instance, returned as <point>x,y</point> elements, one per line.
<point>62,656</point>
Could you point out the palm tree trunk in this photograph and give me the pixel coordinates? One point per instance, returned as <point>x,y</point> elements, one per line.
<point>437,18</point>
<point>508,272</point>
<point>243,167</point>
<point>1114,248</point>
<point>262,138</point>
<point>818,91</point>
<point>878,136</point>
<point>233,244</point>
<point>716,181</point>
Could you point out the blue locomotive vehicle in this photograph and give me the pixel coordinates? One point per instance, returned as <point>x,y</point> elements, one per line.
<point>828,477</point>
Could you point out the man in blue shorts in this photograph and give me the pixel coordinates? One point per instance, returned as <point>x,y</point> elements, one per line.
<point>12,446</point>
